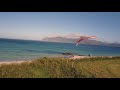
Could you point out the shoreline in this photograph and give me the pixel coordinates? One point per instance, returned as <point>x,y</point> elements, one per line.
<point>75,57</point>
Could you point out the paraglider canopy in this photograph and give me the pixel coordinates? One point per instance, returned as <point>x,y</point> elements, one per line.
<point>84,38</point>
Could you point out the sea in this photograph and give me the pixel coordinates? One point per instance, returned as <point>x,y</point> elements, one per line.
<point>14,50</point>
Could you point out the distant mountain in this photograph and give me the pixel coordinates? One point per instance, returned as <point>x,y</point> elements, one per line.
<point>59,39</point>
<point>73,40</point>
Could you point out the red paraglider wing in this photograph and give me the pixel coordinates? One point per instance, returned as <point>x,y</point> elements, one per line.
<point>79,40</point>
<point>83,38</point>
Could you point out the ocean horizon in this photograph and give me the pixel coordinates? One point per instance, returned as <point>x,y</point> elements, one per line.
<point>15,49</point>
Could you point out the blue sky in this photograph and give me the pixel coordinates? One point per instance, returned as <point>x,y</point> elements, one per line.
<point>37,25</point>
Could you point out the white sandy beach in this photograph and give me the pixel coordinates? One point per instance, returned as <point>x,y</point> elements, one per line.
<point>80,57</point>
<point>75,57</point>
<point>12,62</point>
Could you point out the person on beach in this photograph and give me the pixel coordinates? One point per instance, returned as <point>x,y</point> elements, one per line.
<point>89,55</point>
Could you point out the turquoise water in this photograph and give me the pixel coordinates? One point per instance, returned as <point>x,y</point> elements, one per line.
<point>25,50</point>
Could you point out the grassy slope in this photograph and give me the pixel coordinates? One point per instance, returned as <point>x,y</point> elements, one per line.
<point>64,68</point>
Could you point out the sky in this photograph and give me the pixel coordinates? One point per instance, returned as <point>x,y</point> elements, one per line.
<point>37,25</point>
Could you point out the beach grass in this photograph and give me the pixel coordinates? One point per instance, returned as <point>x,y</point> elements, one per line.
<point>97,67</point>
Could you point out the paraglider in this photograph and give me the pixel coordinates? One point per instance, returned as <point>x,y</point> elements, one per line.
<point>84,38</point>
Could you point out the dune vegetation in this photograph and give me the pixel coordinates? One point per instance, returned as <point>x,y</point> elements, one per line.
<point>100,67</point>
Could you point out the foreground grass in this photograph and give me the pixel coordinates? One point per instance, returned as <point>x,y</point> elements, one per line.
<point>64,68</point>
